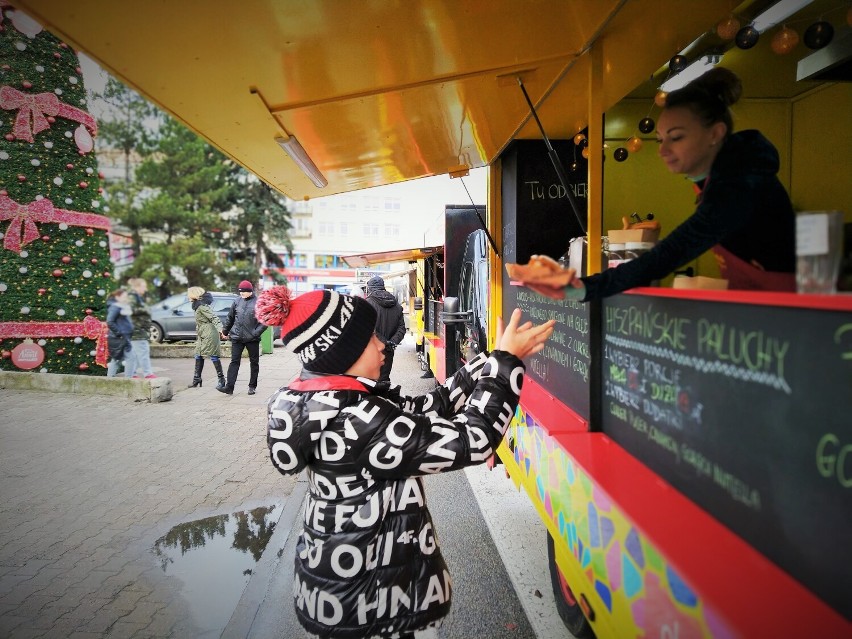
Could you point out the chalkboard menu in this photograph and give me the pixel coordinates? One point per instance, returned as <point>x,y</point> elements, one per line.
<point>747,410</point>
<point>538,219</point>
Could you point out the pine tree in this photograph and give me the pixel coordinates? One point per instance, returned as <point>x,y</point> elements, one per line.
<point>263,219</point>
<point>55,271</point>
<point>130,125</point>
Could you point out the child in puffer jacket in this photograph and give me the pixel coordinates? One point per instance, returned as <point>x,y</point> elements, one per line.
<point>367,562</point>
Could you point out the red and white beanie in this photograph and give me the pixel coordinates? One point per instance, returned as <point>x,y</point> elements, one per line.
<point>327,330</point>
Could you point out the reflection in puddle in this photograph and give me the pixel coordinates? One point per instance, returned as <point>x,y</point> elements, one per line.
<point>214,558</point>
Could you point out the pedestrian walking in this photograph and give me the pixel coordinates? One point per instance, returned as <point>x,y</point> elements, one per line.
<point>244,330</point>
<point>208,329</point>
<point>367,561</point>
<point>120,325</point>
<point>390,326</point>
<point>140,353</point>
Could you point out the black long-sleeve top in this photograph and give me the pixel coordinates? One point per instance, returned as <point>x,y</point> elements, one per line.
<point>742,206</point>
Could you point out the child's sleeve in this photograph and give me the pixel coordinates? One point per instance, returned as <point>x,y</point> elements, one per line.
<point>283,433</point>
<point>461,427</point>
<point>446,399</point>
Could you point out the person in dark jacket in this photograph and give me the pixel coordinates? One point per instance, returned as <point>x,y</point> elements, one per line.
<point>140,353</point>
<point>367,561</point>
<point>390,326</point>
<point>244,330</point>
<point>120,325</point>
<point>744,215</point>
<point>208,328</point>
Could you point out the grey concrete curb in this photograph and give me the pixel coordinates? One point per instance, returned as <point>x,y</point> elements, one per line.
<point>247,619</point>
<point>160,351</point>
<point>154,390</point>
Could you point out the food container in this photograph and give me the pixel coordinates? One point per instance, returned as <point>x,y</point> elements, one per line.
<point>615,254</point>
<point>622,236</point>
<point>632,250</point>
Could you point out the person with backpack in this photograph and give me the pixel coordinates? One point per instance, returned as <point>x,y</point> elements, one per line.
<point>390,325</point>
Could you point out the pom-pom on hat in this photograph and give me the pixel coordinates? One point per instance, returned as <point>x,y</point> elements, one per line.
<point>327,330</point>
<point>245,285</point>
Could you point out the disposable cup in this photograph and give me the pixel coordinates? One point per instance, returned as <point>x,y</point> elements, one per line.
<point>819,250</point>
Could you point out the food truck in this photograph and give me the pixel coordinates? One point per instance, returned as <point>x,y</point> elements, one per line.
<point>447,290</point>
<point>687,450</point>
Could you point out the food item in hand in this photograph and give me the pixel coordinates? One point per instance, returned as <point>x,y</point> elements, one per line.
<point>541,269</point>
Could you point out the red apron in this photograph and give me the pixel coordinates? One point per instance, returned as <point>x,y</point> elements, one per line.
<point>744,276</point>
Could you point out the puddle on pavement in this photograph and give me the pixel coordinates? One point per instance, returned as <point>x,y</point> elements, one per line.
<point>214,559</point>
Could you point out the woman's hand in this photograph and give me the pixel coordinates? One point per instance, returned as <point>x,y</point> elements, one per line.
<point>524,339</point>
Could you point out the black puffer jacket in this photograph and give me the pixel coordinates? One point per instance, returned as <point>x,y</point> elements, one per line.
<point>241,325</point>
<point>368,562</point>
<point>390,325</point>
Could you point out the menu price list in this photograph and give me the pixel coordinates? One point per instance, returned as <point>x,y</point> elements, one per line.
<point>562,367</point>
<point>739,407</point>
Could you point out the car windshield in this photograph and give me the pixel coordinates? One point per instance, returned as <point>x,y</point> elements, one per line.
<point>171,301</point>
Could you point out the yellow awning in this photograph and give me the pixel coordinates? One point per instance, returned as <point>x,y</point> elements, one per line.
<point>363,260</point>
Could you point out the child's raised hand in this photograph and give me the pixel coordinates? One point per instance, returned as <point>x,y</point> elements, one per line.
<point>522,339</point>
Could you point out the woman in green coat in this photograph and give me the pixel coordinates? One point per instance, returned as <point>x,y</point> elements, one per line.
<point>208,326</point>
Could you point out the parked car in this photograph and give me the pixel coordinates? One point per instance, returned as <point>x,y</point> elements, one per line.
<point>170,302</point>
<point>174,320</point>
<point>178,322</point>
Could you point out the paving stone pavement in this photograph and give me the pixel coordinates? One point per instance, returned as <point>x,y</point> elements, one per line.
<point>88,484</point>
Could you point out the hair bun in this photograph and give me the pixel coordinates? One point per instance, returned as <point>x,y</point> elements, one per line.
<point>721,83</point>
<point>273,306</point>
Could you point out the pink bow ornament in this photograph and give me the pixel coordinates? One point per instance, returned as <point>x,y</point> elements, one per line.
<point>32,110</point>
<point>22,218</point>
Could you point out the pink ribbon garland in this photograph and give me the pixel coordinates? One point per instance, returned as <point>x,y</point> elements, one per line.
<point>32,109</point>
<point>90,328</point>
<point>22,218</point>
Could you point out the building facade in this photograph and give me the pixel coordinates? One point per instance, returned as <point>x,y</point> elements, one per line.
<point>327,229</point>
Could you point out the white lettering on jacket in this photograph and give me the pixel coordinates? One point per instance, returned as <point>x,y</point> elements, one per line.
<point>318,604</point>
<point>314,513</point>
<point>399,600</point>
<point>283,455</point>
<point>339,556</point>
<point>393,456</point>
<point>480,448</point>
<point>437,449</point>
<point>360,411</point>
<point>312,551</point>
<point>410,493</point>
<point>382,546</point>
<point>399,439</point>
<point>331,446</point>
<point>427,539</point>
<point>504,418</point>
<point>437,592</point>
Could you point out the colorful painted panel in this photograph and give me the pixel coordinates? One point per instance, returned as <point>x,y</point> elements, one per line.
<point>642,594</point>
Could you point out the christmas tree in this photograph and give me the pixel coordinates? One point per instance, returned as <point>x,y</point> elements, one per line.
<point>55,271</point>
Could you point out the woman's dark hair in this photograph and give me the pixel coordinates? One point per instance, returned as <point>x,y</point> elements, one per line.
<point>709,96</point>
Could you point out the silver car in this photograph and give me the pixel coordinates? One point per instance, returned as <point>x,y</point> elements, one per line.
<point>178,322</point>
